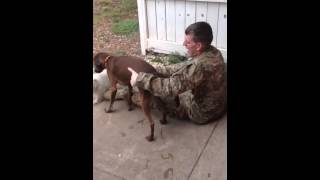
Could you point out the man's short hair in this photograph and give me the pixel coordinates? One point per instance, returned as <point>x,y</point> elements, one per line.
<point>201,31</point>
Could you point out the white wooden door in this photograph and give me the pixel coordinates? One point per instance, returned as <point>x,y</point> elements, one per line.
<point>163,22</point>
<point>222,29</point>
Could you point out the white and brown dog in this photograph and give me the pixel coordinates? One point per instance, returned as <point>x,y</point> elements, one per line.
<point>101,88</point>
<point>101,84</point>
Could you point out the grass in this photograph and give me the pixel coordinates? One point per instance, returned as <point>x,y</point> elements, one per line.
<point>125,27</point>
<point>129,5</point>
<point>120,53</point>
<point>175,58</point>
<point>167,59</point>
<point>156,60</point>
<point>105,2</point>
<point>96,19</point>
<point>115,10</point>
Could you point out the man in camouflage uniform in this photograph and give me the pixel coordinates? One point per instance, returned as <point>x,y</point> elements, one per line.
<point>198,86</point>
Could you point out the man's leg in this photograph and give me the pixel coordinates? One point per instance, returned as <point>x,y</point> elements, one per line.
<point>169,103</point>
<point>188,108</point>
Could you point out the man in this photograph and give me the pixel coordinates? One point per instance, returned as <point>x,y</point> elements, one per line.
<point>199,84</point>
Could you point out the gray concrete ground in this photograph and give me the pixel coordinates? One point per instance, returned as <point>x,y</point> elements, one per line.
<point>181,150</point>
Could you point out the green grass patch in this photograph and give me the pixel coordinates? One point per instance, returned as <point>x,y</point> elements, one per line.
<point>118,10</point>
<point>175,58</point>
<point>120,53</point>
<point>129,5</point>
<point>125,27</point>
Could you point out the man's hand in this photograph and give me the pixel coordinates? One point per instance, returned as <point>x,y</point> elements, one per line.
<point>134,76</point>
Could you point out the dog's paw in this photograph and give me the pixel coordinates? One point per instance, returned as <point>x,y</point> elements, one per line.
<point>150,138</point>
<point>108,111</point>
<point>95,100</point>
<point>162,121</point>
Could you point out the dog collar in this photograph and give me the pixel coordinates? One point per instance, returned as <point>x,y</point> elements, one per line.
<point>106,59</point>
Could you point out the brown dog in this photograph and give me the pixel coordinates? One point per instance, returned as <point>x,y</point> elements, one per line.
<point>117,69</point>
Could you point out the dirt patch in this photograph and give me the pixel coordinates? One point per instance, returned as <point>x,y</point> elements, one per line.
<point>105,40</point>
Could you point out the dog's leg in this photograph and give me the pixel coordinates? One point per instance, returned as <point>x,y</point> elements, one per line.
<point>164,118</point>
<point>129,98</point>
<point>161,106</point>
<point>145,101</point>
<point>96,100</point>
<point>99,96</point>
<point>113,95</point>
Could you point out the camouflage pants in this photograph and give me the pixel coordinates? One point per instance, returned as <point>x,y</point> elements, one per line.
<point>185,109</point>
<point>188,108</point>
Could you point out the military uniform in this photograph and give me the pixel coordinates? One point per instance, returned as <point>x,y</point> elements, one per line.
<point>199,84</point>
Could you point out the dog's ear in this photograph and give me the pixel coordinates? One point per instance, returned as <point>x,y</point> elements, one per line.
<point>97,59</point>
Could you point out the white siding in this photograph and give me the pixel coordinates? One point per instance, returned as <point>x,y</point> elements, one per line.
<point>212,19</point>
<point>222,27</point>
<point>190,13</point>
<point>162,23</point>
<point>170,20</point>
<point>201,11</point>
<point>161,19</point>
<point>180,21</point>
<point>152,19</point>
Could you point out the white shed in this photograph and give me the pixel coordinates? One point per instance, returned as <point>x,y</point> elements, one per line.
<point>162,23</point>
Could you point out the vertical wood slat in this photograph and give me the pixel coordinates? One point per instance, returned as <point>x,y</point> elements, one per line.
<point>142,25</point>
<point>170,20</point>
<point>180,21</point>
<point>212,19</point>
<point>161,19</point>
<point>190,13</point>
<point>201,11</point>
<point>151,19</point>
<point>222,27</point>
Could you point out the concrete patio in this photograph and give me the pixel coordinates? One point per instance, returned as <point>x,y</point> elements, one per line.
<point>181,150</point>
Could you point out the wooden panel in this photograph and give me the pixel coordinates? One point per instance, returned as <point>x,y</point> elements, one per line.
<point>222,26</point>
<point>212,19</point>
<point>142,25</point>
<point>161,19</point>
<point>190,13</point>
<point>170,20</point>
<point>180,21</point>
<point>201,11</point>
<point>151,19</point>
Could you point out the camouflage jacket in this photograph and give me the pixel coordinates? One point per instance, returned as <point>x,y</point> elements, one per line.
<point>204,75</point>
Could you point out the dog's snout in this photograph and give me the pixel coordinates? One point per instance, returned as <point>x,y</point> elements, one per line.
<point>98,70</point>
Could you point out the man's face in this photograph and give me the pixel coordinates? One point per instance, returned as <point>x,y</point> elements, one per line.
<point>192,47</point>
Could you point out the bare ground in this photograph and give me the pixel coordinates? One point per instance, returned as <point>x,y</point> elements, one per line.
<point>105,40</point>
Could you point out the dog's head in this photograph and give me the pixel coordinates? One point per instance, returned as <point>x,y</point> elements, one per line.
<point>99,61</point>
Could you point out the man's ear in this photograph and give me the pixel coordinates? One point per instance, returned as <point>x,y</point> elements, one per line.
<point>199,46</point>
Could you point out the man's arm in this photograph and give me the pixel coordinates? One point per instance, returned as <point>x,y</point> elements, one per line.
<point>187,78</point>
<point>170,69</point>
